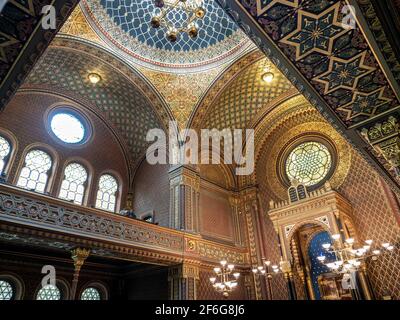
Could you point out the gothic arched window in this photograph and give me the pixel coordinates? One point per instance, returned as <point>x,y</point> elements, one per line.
<point>5,151</point>
<point>107,193</point>
<point>35,173</point>
<point>74,183</point>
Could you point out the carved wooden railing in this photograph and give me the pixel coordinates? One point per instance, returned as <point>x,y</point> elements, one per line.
<point>40,212</point>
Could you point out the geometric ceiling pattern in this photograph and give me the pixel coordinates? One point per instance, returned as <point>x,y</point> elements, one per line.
<point>172,86</point>
<point>122,102</point>
<point>335,67</point>
<point>125,27</point>
<point>244,96</point>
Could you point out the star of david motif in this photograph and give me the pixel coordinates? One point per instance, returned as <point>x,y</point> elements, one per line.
<point>315,33</point>
<point>5,41</point>
<point>365,104</point>
<point>264,5</point>
<point>344,74</point>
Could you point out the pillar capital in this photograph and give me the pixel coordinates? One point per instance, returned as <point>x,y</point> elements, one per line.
<point>183,281</point>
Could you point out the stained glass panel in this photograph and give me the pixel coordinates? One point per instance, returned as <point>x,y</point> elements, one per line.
<point>49,292</point>
<point>73,185</point>
<point>34,174</point>
<point>5,150</point>
<point>6,290</point>
<point>106,195</point>
<point>309,163</point>
<point>90,294</point>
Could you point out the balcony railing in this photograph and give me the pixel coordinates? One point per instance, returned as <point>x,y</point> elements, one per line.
<point>41,212</point>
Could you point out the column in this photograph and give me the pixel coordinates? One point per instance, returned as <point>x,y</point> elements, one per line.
<point>79,255</point>
<point>184,199</point>
<point>249,208</point>
<point>238,223</point>
<point>183,282</point>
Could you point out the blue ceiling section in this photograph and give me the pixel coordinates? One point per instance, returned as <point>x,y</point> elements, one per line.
<point>134,16</point>
<point>314,251</point>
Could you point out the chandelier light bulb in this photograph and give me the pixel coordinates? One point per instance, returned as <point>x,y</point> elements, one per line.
<point>350,241</point>
<point>231,267</point>
<point>94,78</point>
<point>192,10</point>
<point>223,263</point>
<point>236,275</point>
<point>268,263</point>
<point>321,258</point>
<point>386,245</point>
<point>217,270</point>
<point>376,252</point>
<point>326,246</point>
<point>213,280</point>
<point>369,242</point>
<point>268,77</point>
<point>390,248</point>
<point>254,270</point>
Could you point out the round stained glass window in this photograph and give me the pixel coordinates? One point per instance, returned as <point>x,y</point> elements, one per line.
<point>68,127</point>
<point>309,163</point>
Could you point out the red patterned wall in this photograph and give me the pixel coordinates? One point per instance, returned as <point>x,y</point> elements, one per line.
<point>375,218</point>
<point>151,192</point>
<point>215,215</point>
<point>25,118</point>
<point>207,292</point>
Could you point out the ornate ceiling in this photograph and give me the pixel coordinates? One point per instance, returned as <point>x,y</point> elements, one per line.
<point>22,42</point>
<point>125,26</point>
<point>125,98</point>
<point>350,75</point>
<point>340,70</point>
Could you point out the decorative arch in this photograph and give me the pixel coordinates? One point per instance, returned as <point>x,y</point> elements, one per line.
<point>16,282</point>
<point>99,285</point>
<point>14,144</point>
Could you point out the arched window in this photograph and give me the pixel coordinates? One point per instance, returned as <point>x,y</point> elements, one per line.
<point>35,173</point>
<point>107,193</point>
<point>49,292</point>
<point>5,151</point>
<point>6,290</point>
<point>74,183</point>
<point>90,294</point>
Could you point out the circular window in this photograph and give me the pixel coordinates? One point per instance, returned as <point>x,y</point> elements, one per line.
<point>6,290</point>
<point>69,126</point>
<point>309,163</point>
<point>90,294</point>
<point>49,292</point>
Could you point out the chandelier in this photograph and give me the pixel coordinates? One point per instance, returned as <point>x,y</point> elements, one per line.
<point>226,279</point>
<point>189,11</point>
<point>347,258</point>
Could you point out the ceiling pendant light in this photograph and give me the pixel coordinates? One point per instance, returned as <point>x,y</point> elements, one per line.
<point>190,11</point>
<point>268,76</point>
